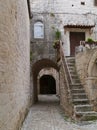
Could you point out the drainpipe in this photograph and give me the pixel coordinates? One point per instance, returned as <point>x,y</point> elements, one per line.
<point>29,9</point>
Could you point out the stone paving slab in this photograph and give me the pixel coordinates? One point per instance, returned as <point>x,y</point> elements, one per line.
<point>46,115</point>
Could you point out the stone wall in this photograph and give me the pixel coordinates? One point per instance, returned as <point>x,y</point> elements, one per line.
<point>87,71</point>
<point>14,63</point>
<point>55,14</point>
<point>65,97</point>
<point>82,63</point>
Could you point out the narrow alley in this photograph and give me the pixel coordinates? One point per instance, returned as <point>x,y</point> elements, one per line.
<point>47,115</point>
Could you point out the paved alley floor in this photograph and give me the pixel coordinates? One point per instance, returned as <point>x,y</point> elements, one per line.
<point>47,115</point>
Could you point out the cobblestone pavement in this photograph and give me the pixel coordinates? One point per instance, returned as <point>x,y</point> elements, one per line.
<point>47,115</point>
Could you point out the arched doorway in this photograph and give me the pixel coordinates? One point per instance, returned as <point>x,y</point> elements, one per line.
<point>47,85</point>
<point>36,68</point>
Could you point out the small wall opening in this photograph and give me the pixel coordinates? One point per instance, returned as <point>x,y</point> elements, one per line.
<point>47,85</point>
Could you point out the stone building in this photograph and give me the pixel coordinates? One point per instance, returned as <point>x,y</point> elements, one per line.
<point>51,71</point>
<point>71,18</point>
<point>77,21</point>
<point>14,63</point>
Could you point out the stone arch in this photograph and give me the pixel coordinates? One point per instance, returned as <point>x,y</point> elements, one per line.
<point>39,18</point>
<point>92,63</point>
<point>44,56</point>
<point>51,72</point>
<point>91,80</point>
<point>36,68</point>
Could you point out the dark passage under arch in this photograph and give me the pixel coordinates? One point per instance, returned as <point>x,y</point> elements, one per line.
<point>47,85</point>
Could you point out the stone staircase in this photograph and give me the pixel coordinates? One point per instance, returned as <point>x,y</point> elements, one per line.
<point>83,110</point>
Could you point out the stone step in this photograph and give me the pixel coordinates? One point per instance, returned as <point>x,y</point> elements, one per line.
<point>87,112</point>
<point>72,67</point>
<point>70,61</point>
<point>76,86</point>
<point>75,77</point>
<point>81,90</point>
<point>80,101</point>
<point>70,57</point>
<point>86,116</point>
<point>79,96</point>
<point>83,108</point>
<point>89,117</point>
<point>76,81</point>
<point>72,72</point>
<point>71,64</point>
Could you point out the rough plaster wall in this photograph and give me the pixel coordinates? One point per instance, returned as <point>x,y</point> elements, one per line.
<point>51,4</point>
<point>82,63</point>
<point>14,63</point>
<point>87,71</point>
<point>43,46</point>
<point>65,100</point>
<point>65,12</point>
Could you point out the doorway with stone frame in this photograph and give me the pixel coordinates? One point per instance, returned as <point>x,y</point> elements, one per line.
<point>75,38</point>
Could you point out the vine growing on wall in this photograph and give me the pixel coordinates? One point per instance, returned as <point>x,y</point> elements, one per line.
<point>56,43</point>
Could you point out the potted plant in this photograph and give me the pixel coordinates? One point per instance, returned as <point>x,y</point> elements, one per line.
<point>90,43</point>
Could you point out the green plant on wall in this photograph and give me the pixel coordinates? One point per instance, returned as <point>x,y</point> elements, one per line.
<point>56,43</point>
<point>57,34</point>
<point>90,40</point>
<point>52,15</point>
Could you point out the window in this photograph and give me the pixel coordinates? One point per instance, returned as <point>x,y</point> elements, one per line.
<point>82,3</point>
<point>39,30</point>
<point>95,2</point>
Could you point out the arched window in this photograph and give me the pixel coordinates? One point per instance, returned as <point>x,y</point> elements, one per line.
<point>39,30</point>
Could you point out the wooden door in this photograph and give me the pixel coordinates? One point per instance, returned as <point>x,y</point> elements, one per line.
<point>75,38</point>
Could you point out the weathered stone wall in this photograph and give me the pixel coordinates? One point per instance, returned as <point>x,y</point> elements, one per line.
<point>14,63</point>
<point>65,97</point>
<point>82,64</point>
<point>87,71</point>
<point>56,14</point>
<point>42,48</point>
